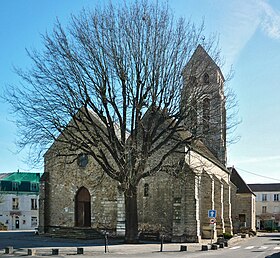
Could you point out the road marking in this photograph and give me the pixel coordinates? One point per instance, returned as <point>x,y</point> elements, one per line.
<point>263,247</point>
<point>277,248</point>
<point>249,247</point>
<point>235,247</point>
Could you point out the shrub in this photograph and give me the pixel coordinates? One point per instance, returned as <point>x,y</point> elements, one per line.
<point>227,235</point>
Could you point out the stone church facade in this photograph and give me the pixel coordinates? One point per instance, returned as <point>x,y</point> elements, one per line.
<point>77,195</point>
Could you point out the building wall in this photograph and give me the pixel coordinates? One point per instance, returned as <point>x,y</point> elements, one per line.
<point>65,178</point>
<point>267,207</point>
<point>22,218</point>
<point>243,211</point>
<point>173,204</point>
<point>155,205</point>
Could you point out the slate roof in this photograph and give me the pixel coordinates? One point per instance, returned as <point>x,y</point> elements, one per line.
<point>199,147</point>
<point>275,187</point>
<point>238,181</point>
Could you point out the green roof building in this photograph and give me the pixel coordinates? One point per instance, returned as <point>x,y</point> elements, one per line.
<point>19,194</point>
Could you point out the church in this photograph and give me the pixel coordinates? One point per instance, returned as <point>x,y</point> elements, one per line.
<point>77,197</point>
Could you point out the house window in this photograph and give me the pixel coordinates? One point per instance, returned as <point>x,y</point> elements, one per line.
<point>242,220</point>
<point>263,209</point>
<point>33,204</point>
<point>264,197</point>
<point>276,197</point>
<point>146,190</point>
<point>14,186</point>
<point>34,187</point>
<point>15,204</point>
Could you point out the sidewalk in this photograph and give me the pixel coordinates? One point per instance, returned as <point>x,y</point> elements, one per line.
<point>119,250</point>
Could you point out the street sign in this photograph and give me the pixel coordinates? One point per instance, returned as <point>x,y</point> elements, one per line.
<point>212,213</point>
<point>212,221</point>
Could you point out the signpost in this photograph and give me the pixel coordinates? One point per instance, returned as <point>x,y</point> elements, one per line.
<point>212,215</point>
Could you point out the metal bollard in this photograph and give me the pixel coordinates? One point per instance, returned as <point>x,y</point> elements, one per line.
<point>55,251</point>
<point>31,251</point>
<point>80,250</point>
<point>9,250</point>
<point>204,248</point>
<point>214,247</point>
<point>183,248</point>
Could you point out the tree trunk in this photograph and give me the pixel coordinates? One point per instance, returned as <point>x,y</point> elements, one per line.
<point>131,215</point>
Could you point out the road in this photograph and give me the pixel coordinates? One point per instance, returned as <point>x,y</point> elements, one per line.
<point>265,245</point>
<point>262,246</point>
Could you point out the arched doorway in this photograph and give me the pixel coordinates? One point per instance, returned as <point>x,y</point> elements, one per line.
<point>82,208</point>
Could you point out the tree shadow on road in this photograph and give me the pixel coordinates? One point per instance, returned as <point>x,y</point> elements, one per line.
<point>276,255</point>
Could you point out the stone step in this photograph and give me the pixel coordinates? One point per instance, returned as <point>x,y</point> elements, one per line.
<point>76,233</point>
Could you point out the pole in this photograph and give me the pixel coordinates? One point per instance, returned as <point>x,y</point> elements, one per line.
<point>211,234</point>
<point>161,243</point>
<point>106,242</point>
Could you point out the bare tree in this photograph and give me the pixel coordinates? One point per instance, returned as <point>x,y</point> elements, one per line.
<point>114,72</point>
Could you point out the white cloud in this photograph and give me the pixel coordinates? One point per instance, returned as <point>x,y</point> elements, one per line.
<point>240,22</point>
<point>270,20</point>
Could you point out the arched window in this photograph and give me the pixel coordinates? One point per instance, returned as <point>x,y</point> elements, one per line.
<point>206,78</point>
<point>206,115</point>
<point>146,190</point>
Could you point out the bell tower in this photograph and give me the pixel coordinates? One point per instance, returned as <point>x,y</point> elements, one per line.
<point>203,102</point>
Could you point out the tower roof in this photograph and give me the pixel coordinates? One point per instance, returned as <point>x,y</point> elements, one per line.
<point>201,60</point>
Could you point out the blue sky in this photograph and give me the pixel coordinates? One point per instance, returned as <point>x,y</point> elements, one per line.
<point>249,34</point>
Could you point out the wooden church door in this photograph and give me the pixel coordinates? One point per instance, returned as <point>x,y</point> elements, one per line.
<point>82,208</point>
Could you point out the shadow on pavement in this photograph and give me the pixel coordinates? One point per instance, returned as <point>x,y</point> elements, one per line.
<point>30,240</point>
<point>276,255</point>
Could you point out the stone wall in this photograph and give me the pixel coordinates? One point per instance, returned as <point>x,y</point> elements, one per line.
<point>65,178</point>
<point>243,206</point>
<point>155,206</point>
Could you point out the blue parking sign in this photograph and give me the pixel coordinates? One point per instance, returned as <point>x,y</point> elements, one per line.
<point>212,213</point>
